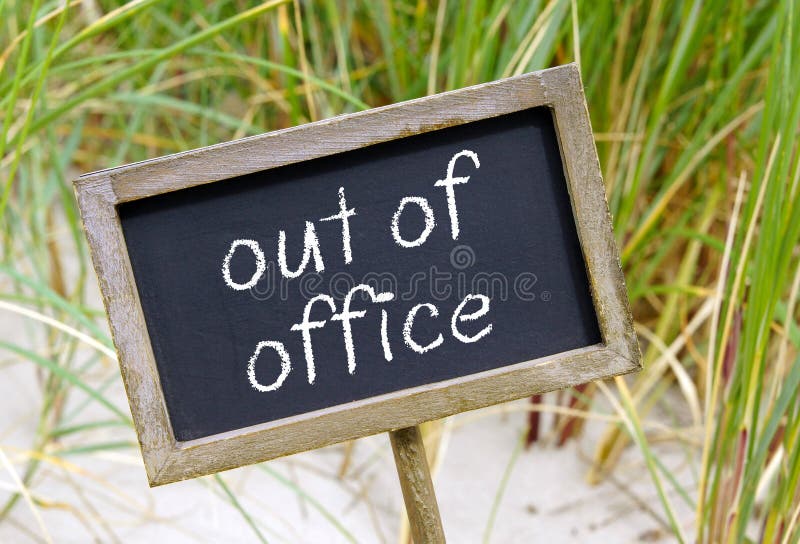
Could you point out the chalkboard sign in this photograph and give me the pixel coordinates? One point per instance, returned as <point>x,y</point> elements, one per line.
<point>360,274</point>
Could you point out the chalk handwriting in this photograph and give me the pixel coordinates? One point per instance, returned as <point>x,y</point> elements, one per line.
<point>376,300</point>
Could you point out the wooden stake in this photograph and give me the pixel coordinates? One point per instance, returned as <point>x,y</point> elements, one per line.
<point>417,486</point>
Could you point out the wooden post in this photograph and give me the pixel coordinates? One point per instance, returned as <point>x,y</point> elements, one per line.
<point>415,480</point>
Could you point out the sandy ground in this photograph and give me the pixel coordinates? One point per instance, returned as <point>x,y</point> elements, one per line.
<point>546,498</point>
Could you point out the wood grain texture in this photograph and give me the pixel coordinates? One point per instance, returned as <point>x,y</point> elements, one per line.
<point>417,486</point>
<point>167,460</point>
<point>128,329</point>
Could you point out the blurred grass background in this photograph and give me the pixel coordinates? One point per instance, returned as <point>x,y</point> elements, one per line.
<point>695,108</point>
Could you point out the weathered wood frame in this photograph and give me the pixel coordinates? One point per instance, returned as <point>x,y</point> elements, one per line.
<point>167,460</point>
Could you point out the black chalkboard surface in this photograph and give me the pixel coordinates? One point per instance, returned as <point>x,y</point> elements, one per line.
<point>515,244</point>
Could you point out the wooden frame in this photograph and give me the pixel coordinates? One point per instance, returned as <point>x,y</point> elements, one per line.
<point>167,460</point>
